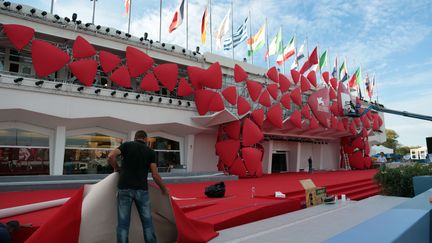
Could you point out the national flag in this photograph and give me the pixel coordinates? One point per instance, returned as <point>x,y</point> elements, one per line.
<point>204,23</point>
<point>323,60</point>
<point>275,46</point>
<point>239,36</point>
<point>127,6</point>
<point>312,60</point>
<point>343,73</point>
<point>355,79</point>
<point>334,72</point>
<point>223,29</point>
<point>300,53</point>
<point>294,65</point>
<point>287,52</point>
<point>369,85</point>
<point>256,42</point>
<point>178,17</point>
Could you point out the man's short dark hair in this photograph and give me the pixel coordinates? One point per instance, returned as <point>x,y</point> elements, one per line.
<point>140,135</point>
<point>13,225</point>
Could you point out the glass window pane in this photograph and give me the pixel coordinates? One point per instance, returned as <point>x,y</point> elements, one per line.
<point>160,143</point>
<point>24,161</point>
<point>94,140</point>
<point>18,137</point>
<point>86,161</point>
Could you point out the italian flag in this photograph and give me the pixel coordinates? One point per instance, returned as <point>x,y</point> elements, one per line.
<point>256,42</point>
<point>287,52</point>
<point>275,46</point>
<point>323,60</point>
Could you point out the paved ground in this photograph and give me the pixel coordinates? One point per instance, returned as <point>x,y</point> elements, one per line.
<point>310,225</point>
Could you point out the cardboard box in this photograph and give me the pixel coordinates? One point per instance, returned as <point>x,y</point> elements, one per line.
<point>314,195</point>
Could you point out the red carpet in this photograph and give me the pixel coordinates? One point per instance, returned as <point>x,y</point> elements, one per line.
<point>237,207</point>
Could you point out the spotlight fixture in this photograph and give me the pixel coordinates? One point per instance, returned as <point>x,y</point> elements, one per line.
<point>151,42</point>
<point>160,99</point>
<point>137,96</point>
<point>145,35</point>
<point>39,83</point>
<point>128,35</point>
<point>151,98</point>
<point>18,80</point>
<point>125,95</point>
<point>113,93</point>
<point>78,22</point>
<point>141,39</point>
<point>58,86</point>
<point>107,30</point>
<point>179,102</point>
<point>19,7</point>
<point>67,19</point>
<point>44,13</point>
<point>81,88</point>
<point>184,50</point>
<point>244,59</point>
<point>97,91</point>
<point>163,44</point>
<point>74,17</point>
<point>88,25</point>
<point>197,49</point>
<point>170,101</point>
<point>33,10</point>
<point>56,16</point>
<point>173,48</point>
<point>118,32</point>
<point>6,4</point>
<point>194,53</point>
<point>188,103</point>
<point>98,27</point>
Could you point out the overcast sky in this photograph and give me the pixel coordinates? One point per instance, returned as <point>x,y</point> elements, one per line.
<point>389,38</point>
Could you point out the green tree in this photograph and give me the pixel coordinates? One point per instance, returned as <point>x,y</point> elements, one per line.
<point>391,141</point>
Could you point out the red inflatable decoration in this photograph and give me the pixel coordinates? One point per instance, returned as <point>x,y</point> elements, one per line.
<point>82,48</point>
<point>319,104</point>
<point>252,134</point>
<point>296,96</point>
<point>252,160</point>
<point>149,83</point>
<point>313,123</point>
<point>286,101</point>
<point>84,71</point>
<point>230,94</point>
<point>306,112</point>
<point>312,78</point>
<point>196,75</point>
<point>184,89</point>
<point>258,116</point>
<point>273,89</point>
<point>233,129</point>
<point>243,106</point>
<point>227,151</point>
<point>108,61</point>
<point>296,120</point>
<point>304,84</point>
<point>47,58</point>
<point>238,168</point>
<point>203,98</point>
<point>284,83</point>
<point>121,77</point>
<point>213,77</point>
<point>332,94</point>
<point>19,35</point>
<point>295,76</point>
<point>265,99</point>
<point>254,89</point>
<point>239,74</point>
<point>167,74</point>
<point>137,61</point>
<point>274,115</point>
<point>216,103</point>
<point>273,74</point>
<point>326,76</point>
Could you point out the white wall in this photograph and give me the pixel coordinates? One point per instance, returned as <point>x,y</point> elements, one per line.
<point>204,155</point>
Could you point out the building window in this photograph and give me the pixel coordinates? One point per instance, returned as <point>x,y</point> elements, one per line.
<point>167,152</point>
<point>23,152</point>
<point>88,153</point>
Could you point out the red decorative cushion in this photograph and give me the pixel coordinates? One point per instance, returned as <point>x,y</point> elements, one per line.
<point>258,116</point>
<point>233,129</point>
<point>273,74</point>
<point>304,84</point>
<point>82,48</point>
<point>137,61</point>
<point>19,35</point>
<point>313,123</point>
<point>149,83</point>
<point>295,76</point>
<point>243,106</point>
<point>306,112</point>
<point>84,71</point>
<point>216,103</point>
<point>254,89</point>
<point>334,83</point>
<point>47,58</point>
<point>312,78</point>
<point>227,151</point>
<point>296,96</point>
<point>167,74</point>
<point>265,99</point>
<point>286,101</point>
<point>332,94</point>
<point>284,83</point>
<point>184,89</point>
<point>251,133</point>
<point>230,94</point>
<point>326,76</point>
<point>273,89</point>
<point>239,74</point>
<point>238,168</point>
<point>252,159</point>
<point>108,61</point>
<point>121,77</point>
<point>295,119</point>
<point>203,98</point>
<point>274,115</point>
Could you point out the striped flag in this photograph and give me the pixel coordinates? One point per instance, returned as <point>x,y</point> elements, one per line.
<point>223,29</point>
<point>323,60</point>
<point>204,23</point>
<point>127,6</point>
<point>299,56</point>
<point>238,37</point>
<point>275,46</point>
<point>256,42</point>
<point>287,53</point>
<point>355,79</point>
<point>334,72</point>
<point>343,73</point>
<point>178,17</point>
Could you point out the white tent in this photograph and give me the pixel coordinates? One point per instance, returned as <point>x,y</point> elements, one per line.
<point>376,149</point>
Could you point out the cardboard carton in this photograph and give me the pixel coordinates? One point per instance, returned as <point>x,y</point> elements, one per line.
<point>314,195</point>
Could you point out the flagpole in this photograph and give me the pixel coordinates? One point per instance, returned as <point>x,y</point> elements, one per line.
<point>250,34</point>
<point>52,6</point>
<point>160,21</point>
<point>268,62</point>
<point>211,30</point>
<point>187,24</point>
<point>94,9</point>
<point>130,13</point>
<point>232,27</point>
<point>283,49</point>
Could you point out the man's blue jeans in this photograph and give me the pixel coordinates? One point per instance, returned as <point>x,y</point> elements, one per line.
<point>125,198</point>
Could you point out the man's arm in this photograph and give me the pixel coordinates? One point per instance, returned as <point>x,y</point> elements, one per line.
<point>112,159</point>
<point>157,178</point>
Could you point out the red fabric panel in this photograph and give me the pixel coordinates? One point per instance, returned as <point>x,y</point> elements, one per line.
<point>273,74</point>
<point>252,159</point>
<point>332,94</point>
<point>304,84</point>
<point>196,75</point>
<point>375,125</point>
<point>295,76</point>
<point>313,59</point>
<point>252,134</point>
<point>334,122</point>
<point>213,77</point>
<point>345,122</point>
<point>137,61</point>
<point>230,94</point>
<point>64,226</point>
<point>312,78</point>
<point>23,233</point>
<point>239,74</point>
<point>149,83</point>
<point>258,116</point>
<point>367,162</point>
<point>243,106</point>
<point>284,83</point>
<point>238,168</point>
<point>367,148</point>
<point>203,98</point>
<point>358,143</point>
<point>326,77</point>
<point>334,83</point>
<point>334,109</point>
<point>19,35</point>
<point>366,123</point>
<point>82,48</point>
<point>319,103</point>
<point>265,99</point>
<point>167,74</point>
<point>306,112</point>
<point>108,61</point>
<point>121,77</point>
<point>296,96</point>
<point>348,148</point>
<point>286,101</point>
<point>47,58</point>
<point>274,115</point>
<point>340,127</point>
<point>295,119</point>
<point>227,151</point>
<point>356,160</point>
<point>273,89</point>
<point>357,121</point>
<point>216,103</point>
<point>233,129</point>
<point>313,123</point>
<point>189,230</point>
<point>84,70</point>
<point>369,115</point>
<point>353,129</point>
<point>184,89</point>
<point>254,89</point>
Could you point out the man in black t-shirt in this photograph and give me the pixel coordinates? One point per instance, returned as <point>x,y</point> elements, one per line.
<point>138,158</point>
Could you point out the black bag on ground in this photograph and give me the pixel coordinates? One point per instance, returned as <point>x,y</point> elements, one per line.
<point>216,190</point>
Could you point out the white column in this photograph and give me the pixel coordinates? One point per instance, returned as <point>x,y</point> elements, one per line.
<point>189,151</point>
<point>56,165</point>
<point>298,157</point>
<point>131,135</point>
<point>270,157</point>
